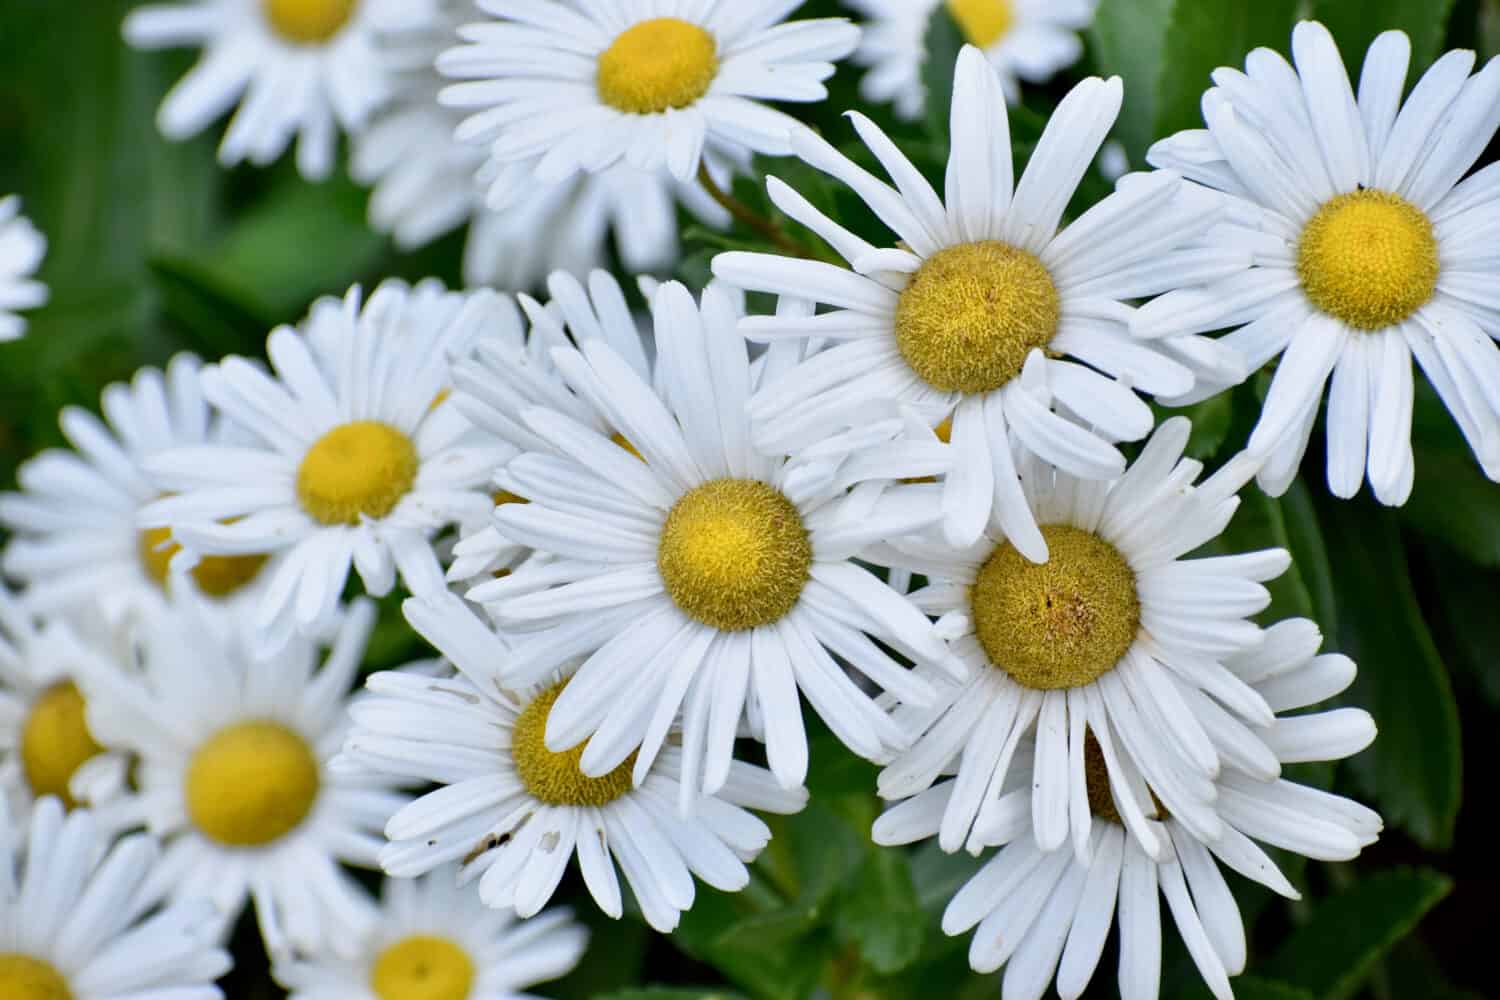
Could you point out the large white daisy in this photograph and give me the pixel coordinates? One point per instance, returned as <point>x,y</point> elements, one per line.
<point>233,776</point>
<point>987,318</point>
<point>295,67</point>
<point>1369,246</point>
<point>515,812</point>
<point>21,251</point>
<point>355,455</point>
<point>1044,914</point>
<point>76,920</point>
<point>564,87</point>
<point>435,940</point>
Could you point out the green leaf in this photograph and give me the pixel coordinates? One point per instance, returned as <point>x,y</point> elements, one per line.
<point>1463,607</point>
<point>943,42</point>
<point>1203,35</point>
<point>1451,499</point>
<point>1128,39</point>
<point>1211,419</point>
<point>1304,539</point>
<point>1248,988</point>
<point>670,993</point>
<point>1331,955</point>
<point>1355,23</point>
<point>880,914</point>
<point>1260,523</point>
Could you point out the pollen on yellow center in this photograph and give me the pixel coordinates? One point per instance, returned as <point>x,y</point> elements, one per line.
<point>657,65</point>
<point>308,22</point>
<point>972,314</point>
<point>1058,624</point>
<point>1368,258</point>
<point>55,741</point>
<point>358,469</point>
<point>1096,781</point>
<point>217,576</point>
<point>734,554</point>
<point>25,978</point>
<point>983,22</point>
<point>556,778</point>
<point>251,783</point>
<point>422,967</point>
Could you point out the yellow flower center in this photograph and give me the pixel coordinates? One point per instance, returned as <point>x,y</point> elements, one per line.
<point>1058,624</point>
<point>734,554</point>
<point>972,313</point>
<point>1368,258</point>
<point>308,22</point>
<point>251,783</point>
<point>1096,780</point>
<point>25,978</point>
<point>656,65</point>
<point>55,740</point>
<point>556,778</point>
<point>217,576</point>
<point>422,967</point>
<point>983,22</point>
<point>359,469</point>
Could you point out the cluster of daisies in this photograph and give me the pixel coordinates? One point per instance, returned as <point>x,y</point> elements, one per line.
<point>644,540</point>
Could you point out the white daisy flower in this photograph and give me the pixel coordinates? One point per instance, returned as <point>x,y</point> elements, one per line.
<point>74,924</point>
<point>77,543</point>
<point>1023,39</point>
<point>514,811</point>
<point>733,567</point>
<point>1369,248</point>
<point>436,940</point>
<point>1046,915</point>
<point>233,774</point>
<point>355,454</point>
<point>1116,632</point>
<point>987,316</point>
<point>565,88</point>
<point>21,251</point>
<point>295,67</point>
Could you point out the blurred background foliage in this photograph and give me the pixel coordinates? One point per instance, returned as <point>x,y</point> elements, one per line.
<point>155,249</point>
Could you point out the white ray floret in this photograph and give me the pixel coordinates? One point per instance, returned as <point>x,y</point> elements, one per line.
<point>22,248</point>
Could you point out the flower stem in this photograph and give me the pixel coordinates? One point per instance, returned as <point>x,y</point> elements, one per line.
<point>753,219</point>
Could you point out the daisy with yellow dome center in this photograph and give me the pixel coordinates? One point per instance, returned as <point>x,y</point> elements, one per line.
<point>989,314</point>
<point>22,248</point>
<point>1370,249</point>
<point>233,771</point>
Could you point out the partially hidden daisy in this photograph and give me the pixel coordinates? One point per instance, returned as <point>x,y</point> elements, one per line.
<point>233,771</point>
<point>436,941</point>
<point>515,812</point>
<point>1023,39</point>
<point>354,456</point>
<point>304,68</point>
<point>988,320</point>
<point>22,248</point>
<point>699,574</point>
<point>1370,248</point>
<point>1046,915</point>
<point>574,87</point>
<point>76,922</point>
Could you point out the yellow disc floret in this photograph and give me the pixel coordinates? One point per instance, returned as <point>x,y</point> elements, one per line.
<point>657,65</point>
<point>983,22</point>
<point>556,778</point>
<point>1058,624</point>
<point>1368,258</point>
<point>422,967</point>
<point>1096,781</point>
<point>25,978</point>
<point>55,740</point>
<point>972,313</point>
<point>734,554</point>
<point>359,469</point>
<point>216,576</point>
<point>308,22</point>
<point>251,783</point>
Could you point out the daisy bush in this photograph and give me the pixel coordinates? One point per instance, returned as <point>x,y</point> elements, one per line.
<point>748,499</point>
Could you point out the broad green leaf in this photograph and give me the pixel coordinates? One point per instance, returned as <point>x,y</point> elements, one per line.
<point>943,42</point>
<point>1211,419</point>
<point>1463,609</point>
<point>1332,953</point>
<point>1355,23</point>
<point>880,914</point>
<point>670,993</point>
<point>1203,35</point>
<point>1128,39</point>
<point>1304,539</point>
<point>1260,523</point>
<point>1250,987</point>
<point>1451,499</point>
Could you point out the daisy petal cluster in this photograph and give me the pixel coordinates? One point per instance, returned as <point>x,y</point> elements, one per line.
<point>22,248</point>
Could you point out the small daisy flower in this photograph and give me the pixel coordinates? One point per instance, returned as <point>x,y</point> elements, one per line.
<point>1370,248</point>
<point>295,67</point>
<point>233,774</point>
<point>733,567</point>
<point>21,251</point>
<point>988,320</point>
<point>1023,39</point>
<point>74,924</point>
<point>436,940</point>
<point>77,543</point>
<point>567,88</point>
<point>1046,915</point>
<point>515,812</point>
<point>355,455</point>
<point>1116,632</point>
